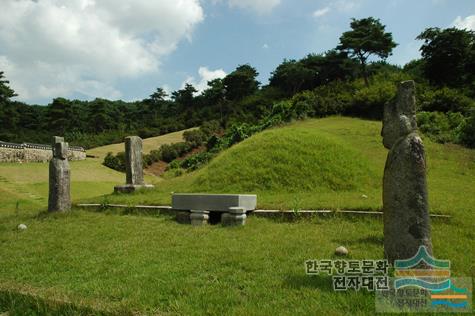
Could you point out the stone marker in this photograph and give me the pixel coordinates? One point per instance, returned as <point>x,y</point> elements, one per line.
<point>133,166</point>
<point>59,198</point>
<point>22,227</point>
<point>341,251</point>
<point>405,203</point>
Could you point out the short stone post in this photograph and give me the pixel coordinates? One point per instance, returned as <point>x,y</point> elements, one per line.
<point>133,166</point>
<point>183,217</point>
<point>405,201</point>
<point>59,198</point>
<point>199,218</point>
<point>235,217</point>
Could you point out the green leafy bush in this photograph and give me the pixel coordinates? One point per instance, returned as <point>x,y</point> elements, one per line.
<point>116,162</point>
<point>194,138</point>
<point>168,152</point>
<point>195,161</point>
<point>467,133</point>
<point>173,151</point>
<point>441,127</point>
<point>369,101</point>
<point>445,100</point>
<point>175,164</point>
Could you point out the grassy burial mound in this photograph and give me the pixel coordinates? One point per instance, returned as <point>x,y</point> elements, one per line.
<point>291,159</point>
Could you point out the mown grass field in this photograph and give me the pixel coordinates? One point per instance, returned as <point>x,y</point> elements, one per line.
<point>28,183</point>
<point>87,262</point>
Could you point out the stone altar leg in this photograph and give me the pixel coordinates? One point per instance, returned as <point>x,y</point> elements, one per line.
<point>235,217</point>
<point>183,217</point>
<point>199,218</point>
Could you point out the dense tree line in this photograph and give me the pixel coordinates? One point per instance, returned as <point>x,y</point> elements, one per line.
<point>348,80</point>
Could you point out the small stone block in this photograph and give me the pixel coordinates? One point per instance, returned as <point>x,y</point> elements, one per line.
<point>226,219</point>
<point>237,210</point>
<point>199,218</point>
<point>233,219</point>
<point>183,217</point>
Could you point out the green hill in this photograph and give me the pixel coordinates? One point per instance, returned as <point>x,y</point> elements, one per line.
<point>334,162</point>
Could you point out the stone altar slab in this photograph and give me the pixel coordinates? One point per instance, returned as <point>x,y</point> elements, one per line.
<point>213,202</point>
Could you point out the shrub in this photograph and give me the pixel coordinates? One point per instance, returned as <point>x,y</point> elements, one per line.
<point>303,104</point>
<point>173,151</point>
<point>155,155</point>
<point>168,152</point>
<point>441,127</point>
<point>195,161</point>
<point>148,132</point>
<point>194,138</point>
<point>175,164</point>
<point>116,162</point>
<point>467,131</point>
<point>369,101</point>
<point>210,128</point>
<point>333,98</point>
<point>445,100</point>
<point>146,160</point>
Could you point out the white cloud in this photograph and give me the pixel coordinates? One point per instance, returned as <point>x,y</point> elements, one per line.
<point>467,23</point>
<point>346,5</point>
<point>259,6</point>
<point>265,46</point>
<point>341,6</point>
<point>321,12</point>
<point>56,48</point>
<point>205,76</point>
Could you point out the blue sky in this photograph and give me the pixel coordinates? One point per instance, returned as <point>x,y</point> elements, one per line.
<point>126,49</point>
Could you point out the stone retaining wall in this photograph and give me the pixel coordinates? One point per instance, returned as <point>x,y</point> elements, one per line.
<point>10,152</point>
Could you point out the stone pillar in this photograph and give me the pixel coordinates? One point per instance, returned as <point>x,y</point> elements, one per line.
<point>235,217</point>
<point>133,166</point>
<point>59,198</point>
<point>405,201</point>
<point>133,160</point>
<point>199,218</point>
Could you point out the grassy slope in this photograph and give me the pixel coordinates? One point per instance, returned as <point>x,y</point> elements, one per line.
<point>148,144</point>
<point>326,163</point>
<point>152,264</point>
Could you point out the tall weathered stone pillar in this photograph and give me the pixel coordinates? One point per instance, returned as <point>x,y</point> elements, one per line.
<point>405,202</point>
<point>59,198</point>
<point>133,166</point>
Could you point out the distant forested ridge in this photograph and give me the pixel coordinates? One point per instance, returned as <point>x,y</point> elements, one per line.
<point>352,79</point>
